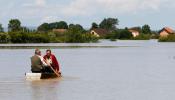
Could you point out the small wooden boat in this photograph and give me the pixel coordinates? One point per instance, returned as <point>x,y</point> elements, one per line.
<point>41,75</point>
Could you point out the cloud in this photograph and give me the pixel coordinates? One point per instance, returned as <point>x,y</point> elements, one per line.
<point>35,3</point>
<point>81,11</point>
<point>78,7</point>
<point>112,7</point>
<point>90,8</point>
<point>49,19</point>
<point>40,2</point>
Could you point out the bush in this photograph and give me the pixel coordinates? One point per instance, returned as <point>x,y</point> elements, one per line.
<point>169,38</point>
<point>4,38</point>
<point>125,34</point>
<point>77,35</point>
<point>20,37</point>
<point>112,36</point>
<point>142,37</point>
<point>72,36</point>
<point>155,36</point>
<point>89,38</point>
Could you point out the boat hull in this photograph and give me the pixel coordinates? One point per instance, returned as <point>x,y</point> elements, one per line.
<point>41,75</point>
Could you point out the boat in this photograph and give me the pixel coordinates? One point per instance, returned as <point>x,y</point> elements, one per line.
<point>41,75</point>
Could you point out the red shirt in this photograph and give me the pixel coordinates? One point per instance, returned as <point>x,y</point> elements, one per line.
<point>55,63</point>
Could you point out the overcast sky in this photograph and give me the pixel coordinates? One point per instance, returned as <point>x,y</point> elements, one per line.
<point>156,13</point>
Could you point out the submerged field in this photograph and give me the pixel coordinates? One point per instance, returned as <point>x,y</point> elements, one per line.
<point>122,70</point>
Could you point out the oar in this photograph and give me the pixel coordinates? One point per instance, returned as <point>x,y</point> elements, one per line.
<point>54,71</point>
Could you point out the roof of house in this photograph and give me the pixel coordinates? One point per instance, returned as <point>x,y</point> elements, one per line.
<point>168,30</point>
<point>100,31</point>
<point>134,29</point>
<point>59,30</point>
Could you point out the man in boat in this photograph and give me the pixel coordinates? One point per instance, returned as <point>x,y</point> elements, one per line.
<point>38,63</point>
<point>52,60</point>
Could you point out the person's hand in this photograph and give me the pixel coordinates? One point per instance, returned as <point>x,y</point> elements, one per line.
<point>58,71</point>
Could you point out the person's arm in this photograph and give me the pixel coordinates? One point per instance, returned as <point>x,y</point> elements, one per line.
<point>44,61</point>
<point>57,67</point>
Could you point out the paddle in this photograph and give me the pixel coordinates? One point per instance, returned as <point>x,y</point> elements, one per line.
<point>52,68</point>
<point>54,71</point>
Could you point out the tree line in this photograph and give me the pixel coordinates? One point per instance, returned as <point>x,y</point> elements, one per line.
<point>75,32</point>
<point>18,34</point>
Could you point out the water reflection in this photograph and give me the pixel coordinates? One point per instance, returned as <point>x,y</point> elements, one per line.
<point>44,89</point>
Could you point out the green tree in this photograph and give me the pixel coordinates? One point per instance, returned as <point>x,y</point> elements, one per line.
<point>4,38</point>
<point>14,25</point>
<point>146,29</point>
<point>109,24</point>
<point>74,34</point>
<point>125,34</point>
<point>1,28</point>
<point>77,34</point>
<point>62,25</point>
<point>22,37</point>
<point>58,25</point>
<point>43,27</point>
<point>77,27</point>
<point>94,25</point>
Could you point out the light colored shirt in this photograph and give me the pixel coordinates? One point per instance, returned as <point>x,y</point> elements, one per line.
<point>42,60</point>
<point>49,60</point>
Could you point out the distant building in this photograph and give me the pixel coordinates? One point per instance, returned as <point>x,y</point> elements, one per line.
<point>166,31</point>
<point>59,30</point>
<point>99,32</point>
<point>135,31</point>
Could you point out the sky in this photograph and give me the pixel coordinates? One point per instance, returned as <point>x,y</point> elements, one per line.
<point>130,13</point>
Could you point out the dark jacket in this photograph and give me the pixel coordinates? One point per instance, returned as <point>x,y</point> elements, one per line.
<point>36,64</point>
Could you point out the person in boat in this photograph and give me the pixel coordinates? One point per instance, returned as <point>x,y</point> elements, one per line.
<point>38,63</point>
<point>52,60</point>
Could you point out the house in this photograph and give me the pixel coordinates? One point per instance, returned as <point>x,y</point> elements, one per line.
<point>166,31</point>
<point>99,32</point>
<point>59,30</point>
<point>135,31</point>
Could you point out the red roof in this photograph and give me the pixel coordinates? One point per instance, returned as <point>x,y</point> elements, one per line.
<point>101,31</point>
<point>168,30</point>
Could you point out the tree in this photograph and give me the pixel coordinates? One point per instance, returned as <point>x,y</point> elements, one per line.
<point>77,27</point>
<point>50,26</point>
<point>125,34</point>
<point>4,38</point>
<point>62,25</point>
<point>43,27</point>
<point>14,25</point>
<point>94,25</point>
<point>109,24</point>
<point>146,29</point>
<point>1,28</point>
<point>58,25</point>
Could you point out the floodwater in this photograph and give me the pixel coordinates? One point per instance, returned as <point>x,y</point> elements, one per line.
<point>121,70</point>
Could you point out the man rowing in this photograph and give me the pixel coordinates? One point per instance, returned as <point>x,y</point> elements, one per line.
<point>52,60</point>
